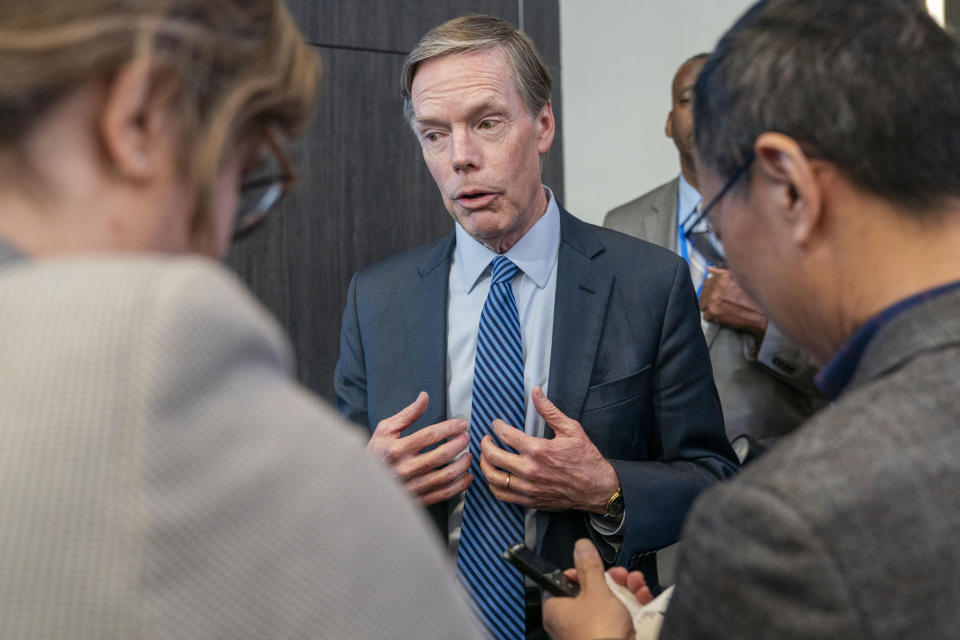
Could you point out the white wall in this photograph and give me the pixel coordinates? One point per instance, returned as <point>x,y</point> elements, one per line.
<point>618,59</point>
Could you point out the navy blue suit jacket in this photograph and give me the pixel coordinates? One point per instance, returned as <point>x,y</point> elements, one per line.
<point>628,361</point>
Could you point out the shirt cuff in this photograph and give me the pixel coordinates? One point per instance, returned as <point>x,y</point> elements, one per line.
<point>607,526</point>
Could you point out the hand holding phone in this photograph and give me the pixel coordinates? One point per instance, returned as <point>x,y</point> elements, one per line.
<point>541,571</point>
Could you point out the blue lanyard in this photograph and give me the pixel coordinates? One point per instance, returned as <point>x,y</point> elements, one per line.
<point>682,235</point>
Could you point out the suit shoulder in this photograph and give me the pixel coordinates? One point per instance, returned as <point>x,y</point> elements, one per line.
<point>642,203</point>
<point>636,264</point>
<point>852,451</point>
<point>624,248</point>
<point>144,283</point>
<point>400,265</point>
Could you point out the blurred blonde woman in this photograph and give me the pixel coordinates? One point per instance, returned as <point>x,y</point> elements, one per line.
<point>161,474</point>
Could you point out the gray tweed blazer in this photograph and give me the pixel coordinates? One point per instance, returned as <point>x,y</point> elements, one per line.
<point>850,528</point>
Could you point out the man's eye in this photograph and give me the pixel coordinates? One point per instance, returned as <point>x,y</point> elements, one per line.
<point>433,136</point>
<point>487,124</point>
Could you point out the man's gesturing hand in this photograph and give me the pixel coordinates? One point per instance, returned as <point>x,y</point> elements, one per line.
<point>565,472</point>
<point>432,476</point>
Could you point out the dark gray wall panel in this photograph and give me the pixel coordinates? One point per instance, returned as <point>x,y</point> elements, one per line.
<point>385,25</point>
<point>541,21</point>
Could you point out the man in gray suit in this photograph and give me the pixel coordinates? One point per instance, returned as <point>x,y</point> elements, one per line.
<point>829,143</point>
<point>765,383</point>
<point>636,423</point>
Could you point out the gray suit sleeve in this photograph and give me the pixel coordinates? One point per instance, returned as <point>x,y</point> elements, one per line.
<point>751,566</point>
<point>265,517</point>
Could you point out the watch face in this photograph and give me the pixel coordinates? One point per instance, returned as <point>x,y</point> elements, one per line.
<point>615,507</point>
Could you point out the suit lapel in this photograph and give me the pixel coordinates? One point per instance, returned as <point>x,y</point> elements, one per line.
<point>579,312</point>
<point>426,329</point>
<point>423,309</point>
<point>662,220</point>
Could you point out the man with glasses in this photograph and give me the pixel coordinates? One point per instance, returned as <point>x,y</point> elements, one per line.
<point>829,148</point>
<point>765,383</point>
<point>524,297</point>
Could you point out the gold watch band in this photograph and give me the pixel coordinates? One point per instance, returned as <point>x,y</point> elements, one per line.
<point>615,504</point>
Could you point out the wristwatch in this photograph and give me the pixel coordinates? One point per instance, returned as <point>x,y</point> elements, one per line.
<point>615,505</point>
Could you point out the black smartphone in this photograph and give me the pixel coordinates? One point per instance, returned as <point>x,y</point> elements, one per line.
<point>541,571</point>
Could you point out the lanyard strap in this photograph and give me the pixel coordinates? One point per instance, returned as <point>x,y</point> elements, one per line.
<point>685,252</point>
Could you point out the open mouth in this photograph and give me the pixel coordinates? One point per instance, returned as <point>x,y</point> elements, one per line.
<point>475,199</point>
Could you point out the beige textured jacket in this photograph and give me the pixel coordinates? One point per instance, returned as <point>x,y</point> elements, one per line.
<point>163,476</point>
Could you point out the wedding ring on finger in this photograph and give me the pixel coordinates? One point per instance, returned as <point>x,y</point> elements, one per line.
<point>506,484</point>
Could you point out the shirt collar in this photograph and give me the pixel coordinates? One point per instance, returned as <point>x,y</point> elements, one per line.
<point>687,200</point>
<point>535,254</point>
<point>834,377</point>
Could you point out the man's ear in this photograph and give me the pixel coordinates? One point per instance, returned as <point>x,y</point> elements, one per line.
<point>128,121</point>
<point>793,183</point>
<point>668,129</point>
<point>546,128</point>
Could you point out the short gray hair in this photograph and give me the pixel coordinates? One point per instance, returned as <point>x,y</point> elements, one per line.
<point>468,34</point>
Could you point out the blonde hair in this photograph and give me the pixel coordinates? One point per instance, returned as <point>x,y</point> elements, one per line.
<point>468,34</point>
<point>237,67</point>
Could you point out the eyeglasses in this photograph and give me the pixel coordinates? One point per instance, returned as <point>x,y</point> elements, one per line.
<point>263,189</point>
<point>705,211</point>
<point>700,234</point>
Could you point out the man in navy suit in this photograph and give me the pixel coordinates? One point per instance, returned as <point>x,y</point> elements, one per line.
<point>623,427</point>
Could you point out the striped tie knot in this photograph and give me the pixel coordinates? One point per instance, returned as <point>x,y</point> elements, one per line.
<point>503,270</point>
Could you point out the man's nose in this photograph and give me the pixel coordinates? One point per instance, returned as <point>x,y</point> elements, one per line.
<point>464,150</point>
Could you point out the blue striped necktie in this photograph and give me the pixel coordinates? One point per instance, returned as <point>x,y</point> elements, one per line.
<point>489,526</point>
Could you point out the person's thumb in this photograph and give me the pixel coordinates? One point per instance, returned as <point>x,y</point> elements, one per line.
<point>589,565</point>
<point>555,419</point>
